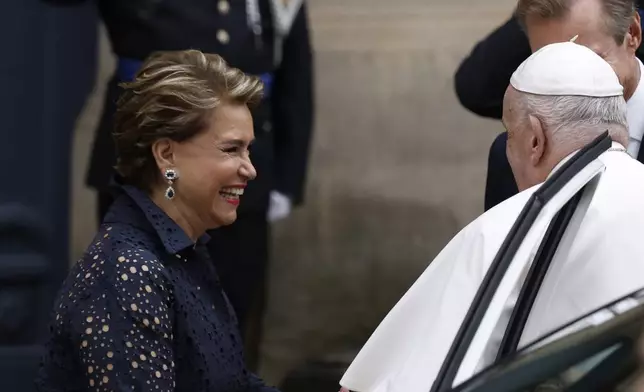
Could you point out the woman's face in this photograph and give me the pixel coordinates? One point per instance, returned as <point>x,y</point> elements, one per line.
<point>214,166</point>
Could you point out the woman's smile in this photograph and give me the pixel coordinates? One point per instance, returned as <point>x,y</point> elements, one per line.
<point>231,194</point>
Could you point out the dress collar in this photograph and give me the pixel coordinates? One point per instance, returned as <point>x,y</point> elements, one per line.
<point>172,236</point>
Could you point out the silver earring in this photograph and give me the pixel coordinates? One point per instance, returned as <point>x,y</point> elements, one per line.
<point>171,175</point>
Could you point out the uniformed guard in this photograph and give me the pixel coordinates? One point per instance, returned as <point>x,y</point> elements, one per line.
<point>268,38</point>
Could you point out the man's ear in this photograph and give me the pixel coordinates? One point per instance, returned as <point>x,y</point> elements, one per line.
<point>633,37</point>
<point>163,153</point>
<point>537,140</point>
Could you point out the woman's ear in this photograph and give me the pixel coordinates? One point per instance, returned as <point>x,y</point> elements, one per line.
<point>537,140</point>
<point>163,153</point>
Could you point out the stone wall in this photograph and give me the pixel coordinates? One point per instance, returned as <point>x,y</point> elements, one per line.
<point>398,167</point>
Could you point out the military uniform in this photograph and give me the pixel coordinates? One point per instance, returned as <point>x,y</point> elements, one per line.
<point>267,38</point>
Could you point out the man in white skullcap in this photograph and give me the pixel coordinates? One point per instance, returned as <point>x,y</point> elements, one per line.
<point>559,100</point>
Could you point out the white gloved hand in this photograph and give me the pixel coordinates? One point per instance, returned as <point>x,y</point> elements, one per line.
<point>279,206</point>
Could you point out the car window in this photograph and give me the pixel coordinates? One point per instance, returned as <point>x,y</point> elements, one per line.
<point>610,370</point>
<point>596,318</point>
<point>601,355</point>
<point>607,369</point>
<point>570,376</point>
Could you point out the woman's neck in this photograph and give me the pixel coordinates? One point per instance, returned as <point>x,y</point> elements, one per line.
<point>182,215</point>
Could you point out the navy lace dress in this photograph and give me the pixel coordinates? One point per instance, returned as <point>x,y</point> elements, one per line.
<point>143,310</point>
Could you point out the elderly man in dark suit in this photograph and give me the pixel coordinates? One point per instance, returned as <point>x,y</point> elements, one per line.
<point>610,27</point>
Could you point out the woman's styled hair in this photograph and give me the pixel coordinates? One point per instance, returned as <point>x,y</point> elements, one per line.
<point>172,96</point>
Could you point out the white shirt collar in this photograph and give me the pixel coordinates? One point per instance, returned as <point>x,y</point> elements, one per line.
<point>635,106</point>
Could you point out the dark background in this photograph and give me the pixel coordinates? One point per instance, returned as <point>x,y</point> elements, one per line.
<point>45,51</point>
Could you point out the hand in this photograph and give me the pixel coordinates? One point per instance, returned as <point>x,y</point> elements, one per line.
<point>279,206</point>
<point>343,389</point>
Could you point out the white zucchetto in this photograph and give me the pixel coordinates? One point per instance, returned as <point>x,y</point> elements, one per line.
<point>566,68</point>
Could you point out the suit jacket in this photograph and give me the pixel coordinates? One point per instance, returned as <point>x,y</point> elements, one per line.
<point>283,122</point>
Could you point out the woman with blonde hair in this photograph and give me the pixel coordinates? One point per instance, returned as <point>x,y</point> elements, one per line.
<point>143,309</point>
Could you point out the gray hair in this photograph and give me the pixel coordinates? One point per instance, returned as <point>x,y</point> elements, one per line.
<point>570,119</point>
<point>618,14</point>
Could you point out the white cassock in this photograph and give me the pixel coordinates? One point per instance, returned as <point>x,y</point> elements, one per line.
<point>604,263</point>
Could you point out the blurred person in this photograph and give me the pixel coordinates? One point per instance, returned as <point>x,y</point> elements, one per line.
<point>37,136</point>
<point>143,309</point>
<point>610,27</point>
<point>559,100</point>
<point>268,38</point>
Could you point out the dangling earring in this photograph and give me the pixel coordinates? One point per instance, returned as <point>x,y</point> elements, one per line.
<point>170,175</point>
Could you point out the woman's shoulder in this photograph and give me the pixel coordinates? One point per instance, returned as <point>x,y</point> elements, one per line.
<point>116,302</point>
<point>116,259</point>
<point>110,272</point>
<point>124,245</point>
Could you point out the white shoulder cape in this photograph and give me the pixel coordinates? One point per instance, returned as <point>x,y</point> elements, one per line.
<point>407,349</point>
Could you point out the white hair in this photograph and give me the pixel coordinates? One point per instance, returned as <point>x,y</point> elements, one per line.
<point>571,119</point>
